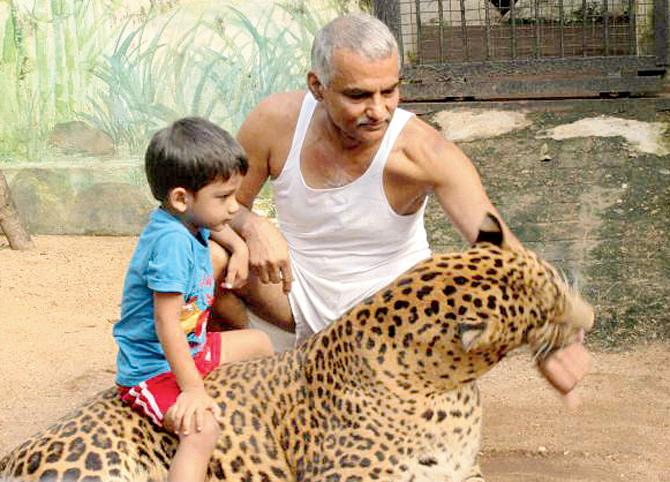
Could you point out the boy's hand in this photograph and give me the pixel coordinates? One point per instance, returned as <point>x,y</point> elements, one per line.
<point>237,270</point>
<point>189,410</point>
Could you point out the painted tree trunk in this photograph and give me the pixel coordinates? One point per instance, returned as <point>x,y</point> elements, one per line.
<point>61,91</point>
<point>19,50</point>
<point>40,24</point>
<point>10,223</point>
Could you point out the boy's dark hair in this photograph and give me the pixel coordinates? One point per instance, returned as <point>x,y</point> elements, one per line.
<point>191,153</point>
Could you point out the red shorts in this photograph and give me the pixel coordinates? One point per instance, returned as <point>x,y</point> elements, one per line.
<point>152,398</point>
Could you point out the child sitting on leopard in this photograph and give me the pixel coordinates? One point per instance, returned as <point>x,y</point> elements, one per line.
<point>194,169</point>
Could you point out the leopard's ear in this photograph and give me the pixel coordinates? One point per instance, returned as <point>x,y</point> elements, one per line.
<point>473,333</point>
<point>490,231</point>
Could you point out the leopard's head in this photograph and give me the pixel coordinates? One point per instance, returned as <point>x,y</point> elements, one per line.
<point>532,304</point>
<point>454,316</point>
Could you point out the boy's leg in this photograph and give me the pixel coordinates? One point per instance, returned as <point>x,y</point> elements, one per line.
<point>194,451</point>
<point>155,398</point>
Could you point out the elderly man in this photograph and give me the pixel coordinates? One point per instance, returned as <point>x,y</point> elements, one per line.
<point>351,173</point>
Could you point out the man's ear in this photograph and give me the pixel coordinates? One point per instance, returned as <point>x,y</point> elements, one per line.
<point>315,86</point>
<point>490,231</point>
<point>178,199</point>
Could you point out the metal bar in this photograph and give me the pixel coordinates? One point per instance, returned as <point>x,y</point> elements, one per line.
<point>418,31</point>
<point>389,13</point>
<point>629,65</point>
<point>661,31</point>
<point>606,24</point>
<point>632,28</point>
<point>538,31</point>
<point>584,27</point>
<point>440,13</point>
<point>528,88</point>
<point>513,24</point>
<point>464,30</point>
<point>561,27</point>
<point>487,30</point>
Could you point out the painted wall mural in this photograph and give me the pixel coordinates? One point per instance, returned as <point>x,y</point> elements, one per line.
<point>85,83</point>
<point>97,77</point>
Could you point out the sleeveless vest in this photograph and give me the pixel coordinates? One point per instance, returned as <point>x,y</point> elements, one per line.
<point>345,243</point>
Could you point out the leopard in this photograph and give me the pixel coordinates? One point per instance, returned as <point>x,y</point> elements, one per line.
<point>388,392</point>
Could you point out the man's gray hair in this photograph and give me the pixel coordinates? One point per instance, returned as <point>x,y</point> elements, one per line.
<point>359,32</point>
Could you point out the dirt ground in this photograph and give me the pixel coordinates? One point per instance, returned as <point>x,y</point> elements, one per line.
<point>58,303</point>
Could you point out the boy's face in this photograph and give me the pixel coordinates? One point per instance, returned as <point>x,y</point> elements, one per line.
<point>214,205</point>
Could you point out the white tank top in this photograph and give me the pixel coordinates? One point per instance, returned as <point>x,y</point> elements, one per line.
<point>345,243</point>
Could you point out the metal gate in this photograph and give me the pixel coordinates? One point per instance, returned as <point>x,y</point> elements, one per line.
<point>493,49</point>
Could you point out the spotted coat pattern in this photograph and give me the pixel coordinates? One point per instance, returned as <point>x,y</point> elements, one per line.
<point>385,393</point>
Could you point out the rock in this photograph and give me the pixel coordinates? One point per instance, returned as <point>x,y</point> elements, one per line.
<point>471,125</point>
<point>43,198</point>
<point>544,153</point>
<point>79,137</point>
<point>111,208</point>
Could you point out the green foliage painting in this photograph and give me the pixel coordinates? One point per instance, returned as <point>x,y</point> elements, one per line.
<point>97,77</point>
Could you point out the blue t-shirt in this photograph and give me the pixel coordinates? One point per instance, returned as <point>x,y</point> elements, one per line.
<point>167,259</point>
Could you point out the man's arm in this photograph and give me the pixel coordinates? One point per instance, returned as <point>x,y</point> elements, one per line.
<point>268,251</point>
<point>445,169</point>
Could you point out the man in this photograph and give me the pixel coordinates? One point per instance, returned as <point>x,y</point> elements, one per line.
<point>351,173</point>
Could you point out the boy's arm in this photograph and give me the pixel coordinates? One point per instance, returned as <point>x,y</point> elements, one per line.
<point>228,238</point>
<point>237,267</point>
<point>193,401</point>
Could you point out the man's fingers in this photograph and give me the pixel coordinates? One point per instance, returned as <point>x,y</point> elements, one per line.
<point>275,274</point>
<point>261,274</point>
<point>558,375</point>
<point>576,359</point>
<point>571,400</point>
<point>286,277</point>
<point>565,368</point>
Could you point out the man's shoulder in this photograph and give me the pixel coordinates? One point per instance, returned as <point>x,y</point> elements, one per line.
<point>416,126</point>
<point>417,137</point>
<point>280,107</point>
<point>276,114</point>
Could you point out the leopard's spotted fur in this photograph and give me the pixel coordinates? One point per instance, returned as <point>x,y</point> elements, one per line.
<point>385,393</point>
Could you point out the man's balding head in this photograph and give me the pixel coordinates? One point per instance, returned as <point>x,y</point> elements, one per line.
<point>360,33</point>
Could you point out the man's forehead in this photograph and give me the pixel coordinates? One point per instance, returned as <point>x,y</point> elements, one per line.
<point>353,70</point>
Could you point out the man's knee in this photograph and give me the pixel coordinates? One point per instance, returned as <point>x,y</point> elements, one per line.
<point>262,344</point>
<point>268,302</point>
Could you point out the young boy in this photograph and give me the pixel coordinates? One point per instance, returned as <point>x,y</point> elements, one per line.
<point>194,169</point>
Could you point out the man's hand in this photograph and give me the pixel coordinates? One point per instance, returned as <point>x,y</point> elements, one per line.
<point>565,368</point>
<point>268,253</point>
<point>190,409</point>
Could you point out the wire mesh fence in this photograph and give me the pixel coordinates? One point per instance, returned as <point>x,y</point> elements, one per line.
<point>435,31</point>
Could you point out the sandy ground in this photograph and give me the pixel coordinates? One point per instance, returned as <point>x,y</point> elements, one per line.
<point>58,303</point>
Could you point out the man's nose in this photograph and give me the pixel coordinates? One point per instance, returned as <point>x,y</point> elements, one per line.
<point>376,110</point>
